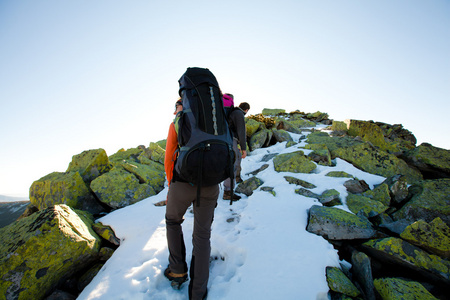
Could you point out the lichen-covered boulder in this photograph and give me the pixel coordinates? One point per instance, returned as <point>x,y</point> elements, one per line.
<point>281,136</point>
<point>396,288</point>
<point>63,188</point>
<point>432,161</point>
<point>356,186</point>
<point>252,126</point>
<point>397,251</point>
<point>339,126</point>
<point>131,154</point>
<point>293,180</point>
<point>258,140</point>
<point>307,193</point>
<point>283,124</point>
<point>330,198</point>
<point>38,252</point>
<point>370,132</point>
<point>154,177</point>
<point>433,236</point>
<point>90,164</point>
<point>106,232</point>
<point>339,174</point>
<point>362,271</point>
<point>119,188</point>
<point>332,143</point>
<point>155,153</point>
<point>336,224</point>
<point>430,199</point>
<point>294,162</point>
<point>340,283</point>
<point>369,207</point>
<point>272,111</point>
<point>320,155</point>
<point>377,162</point>
<point>379,193</point>
<point>398,187</point>
<point>248,186</point>
<point>297,121</point>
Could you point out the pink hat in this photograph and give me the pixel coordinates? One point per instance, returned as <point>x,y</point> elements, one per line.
<point>228,100</point>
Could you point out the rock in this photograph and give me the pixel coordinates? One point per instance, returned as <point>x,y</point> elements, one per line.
<point>162,144</point>
<point>106,232</point>
<point>294,162</point>
<point>29,210</point>
<point>379,193</point>
<point>146,174</point>
<point>155,153</point>
<point>432,161</point>
<point>298,122</point>
<point>61,295</point>
<point>362,271</point>
<point>332,143</point>
<point>339,174</point>
<point>281,136</point>
<point>269,139</point>
<point>369,207</point>
<point>105,253</point>
<point>272,112</point>
<point>433,236</point>
<point>258,140</point>
<point>286,125</point>
<point>369,132</point>
<point>398,187</point>
<point>63,188</point>
<point>336,224</point>
<point>248,186</point>
<point>131,154</point>
<point>305,184</point>
<point>377,162</point>
<point>40,251</point>
<point>321,157</point>
<point>430,199</point>
<point>338,282</point>
<point>317,116</point>
<point>330,198</point>
<point>87,277</point>
<point>396,227</point>
<point>339,126</point>
<point>396,288</point>
<point>90,164</point>
<point>356,186</point>
<point>268,189</point>
<point>268,157</point>
<point>307,193</point>
<point>119,188</point>
<point>399,252</point>
<point>398,134</point>
<point>252,126</point>
<point>262,168</point>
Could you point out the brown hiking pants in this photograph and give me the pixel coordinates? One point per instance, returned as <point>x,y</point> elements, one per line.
<point>180,197</point>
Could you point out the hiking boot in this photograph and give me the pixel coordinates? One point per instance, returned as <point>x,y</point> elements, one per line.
<point>238,179</point>
<point>227,196</point>
<point>176,279</point>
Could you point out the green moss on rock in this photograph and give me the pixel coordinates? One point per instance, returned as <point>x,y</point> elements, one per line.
<point>332,143</point>
<point>367,206</point>
<point>294,162</point>
<point>252,126</point>
<point>272,112</point>
<point>339,174</point>
<point>90,164</point>
<point>379,193</point>
<point>338,282</point>
<point>399,289</point>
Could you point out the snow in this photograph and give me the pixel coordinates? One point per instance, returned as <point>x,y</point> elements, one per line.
<point>260,246</point>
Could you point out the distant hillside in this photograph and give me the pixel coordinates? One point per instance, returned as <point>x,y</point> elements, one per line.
<point>10,211</point>
<point>12,199</point>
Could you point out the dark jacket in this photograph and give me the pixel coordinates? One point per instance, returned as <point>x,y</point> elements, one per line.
<point>237,124</point>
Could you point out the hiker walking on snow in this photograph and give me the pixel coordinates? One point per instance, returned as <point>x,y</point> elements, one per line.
<point>191,146</point>
<point>236,122</point>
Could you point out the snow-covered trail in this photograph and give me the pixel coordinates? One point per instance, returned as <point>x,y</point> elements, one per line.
<point>260,246</point>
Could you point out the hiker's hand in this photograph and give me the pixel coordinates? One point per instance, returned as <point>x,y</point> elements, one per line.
<point>244,153</point>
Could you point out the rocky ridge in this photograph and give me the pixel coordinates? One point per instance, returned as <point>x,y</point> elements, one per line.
<point>403,223</point>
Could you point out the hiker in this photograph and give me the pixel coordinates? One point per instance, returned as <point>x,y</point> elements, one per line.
<point>236,122</point>
<point>182,192</point>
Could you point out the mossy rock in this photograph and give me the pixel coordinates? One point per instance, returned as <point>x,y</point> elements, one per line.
<point>155,153</point>
<point>248,186</point>
<point>273,112</point>
<point>322,157</point>
<point>299,122</point>
<point>379,193</point>
<point>339,174</point>
<point>252,126</point>
<point>370,132</point>
<point>377,162</point>
<point>339,126</point>
<point>336,224</point>
<point>305,184</point>
<point>332,143</point>
<point>433,236</point>
<point>63,188</point>
<point>396,288</point>
<point>429,159</point>
<point>44,249</point>
<point>317,116</point>
<point>119,188</point>
<point>281,136</point>
<point>131,154</point>
<point>155,177</point>
<point>340,283</point>
<point>258,140</point>
<point>294,162</point>
<point>397,251</point>
<point>430,199</point>
<point>162,144</point>
<point>283,124</point>
<point>90,164</point>
<point>367,206</point>
<point>106,232</point>
<point>330,198</point>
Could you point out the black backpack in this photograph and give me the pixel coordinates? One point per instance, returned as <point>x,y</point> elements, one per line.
<point>206,154</point>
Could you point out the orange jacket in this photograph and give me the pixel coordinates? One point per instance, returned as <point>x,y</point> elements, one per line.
<point>170,156</point>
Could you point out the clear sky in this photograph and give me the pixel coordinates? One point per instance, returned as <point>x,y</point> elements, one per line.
<point>79,75</point>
